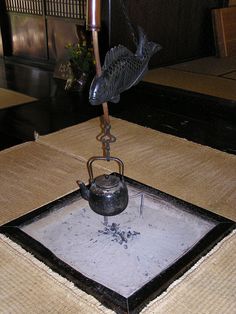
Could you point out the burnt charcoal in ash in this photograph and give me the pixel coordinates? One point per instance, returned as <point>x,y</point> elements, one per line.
<point>118,235</point>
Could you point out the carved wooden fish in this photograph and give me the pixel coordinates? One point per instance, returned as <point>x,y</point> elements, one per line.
<point>121,70</point>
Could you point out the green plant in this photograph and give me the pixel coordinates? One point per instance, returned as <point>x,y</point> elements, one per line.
<point>81,55</point>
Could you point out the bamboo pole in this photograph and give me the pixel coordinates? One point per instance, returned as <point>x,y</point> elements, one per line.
<point>93,23</point>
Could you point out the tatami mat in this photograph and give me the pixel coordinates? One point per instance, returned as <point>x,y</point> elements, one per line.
<point>208,65</point>
<point>208,288</point>
<point>33,174</point>
<point>28,286</point>
<point>9,98</point>
<point>194,82</point>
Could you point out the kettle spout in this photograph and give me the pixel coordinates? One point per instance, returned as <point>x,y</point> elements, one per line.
<point>84,191</point>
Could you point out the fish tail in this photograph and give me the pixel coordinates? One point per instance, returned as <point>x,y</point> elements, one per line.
<point>145,46</point>
<point>142,43</point>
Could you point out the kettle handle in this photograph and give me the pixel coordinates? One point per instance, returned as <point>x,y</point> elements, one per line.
<point>92,159</point>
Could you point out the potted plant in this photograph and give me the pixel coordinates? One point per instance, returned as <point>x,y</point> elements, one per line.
<point>81,61</point>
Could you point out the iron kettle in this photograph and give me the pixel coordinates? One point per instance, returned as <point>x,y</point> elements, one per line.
<point>108,194</point>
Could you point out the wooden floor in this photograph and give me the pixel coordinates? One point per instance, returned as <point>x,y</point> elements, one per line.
<point>201,118</point>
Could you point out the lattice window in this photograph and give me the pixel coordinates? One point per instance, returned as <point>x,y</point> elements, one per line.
<point>62,8</point>
<point>25,6</point>
<point>66,8</point>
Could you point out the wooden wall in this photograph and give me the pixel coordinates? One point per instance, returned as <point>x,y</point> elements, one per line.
<point>182,27</point>
<point>1,45</point>
<point>39,30</point>
<point>28,33</point>
<point>4,30</point>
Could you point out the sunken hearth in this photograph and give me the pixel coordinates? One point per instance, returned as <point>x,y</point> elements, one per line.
<point>125,260</point>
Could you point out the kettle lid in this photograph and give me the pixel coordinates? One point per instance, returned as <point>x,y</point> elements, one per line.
<point>107,181</point>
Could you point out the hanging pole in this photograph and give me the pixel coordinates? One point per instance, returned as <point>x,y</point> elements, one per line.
<point>93,23</point>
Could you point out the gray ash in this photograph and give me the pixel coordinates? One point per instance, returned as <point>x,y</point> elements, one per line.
<point>118,235</point>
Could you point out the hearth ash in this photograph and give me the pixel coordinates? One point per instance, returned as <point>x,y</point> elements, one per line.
<point>121,252</point>
<point>123,237</point>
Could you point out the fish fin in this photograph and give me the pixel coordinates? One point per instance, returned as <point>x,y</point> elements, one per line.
<point>142,41</point>
<point>114,54</point>
<point>141,75</point>
<point>115,99</point>
<point>145,44</point>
